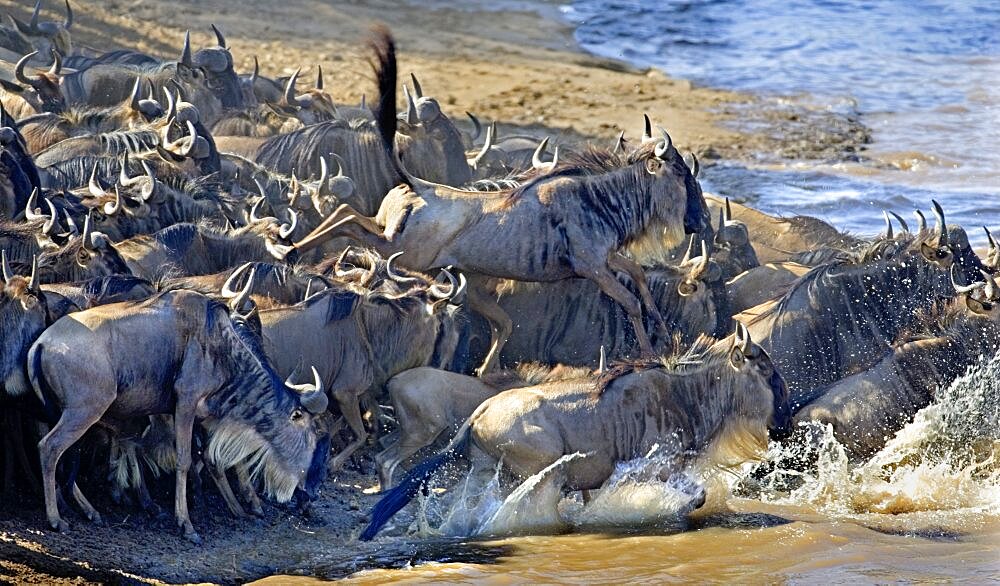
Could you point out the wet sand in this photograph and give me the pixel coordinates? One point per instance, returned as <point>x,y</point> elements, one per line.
<point>516,67</point>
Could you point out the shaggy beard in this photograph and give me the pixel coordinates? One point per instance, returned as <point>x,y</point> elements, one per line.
<point>655,245</point>
<point>740,441</point>
<point>232,444</point>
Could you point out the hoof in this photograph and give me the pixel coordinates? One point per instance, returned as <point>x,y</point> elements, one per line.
<point>193,537</point>
<point>258,511</point>
<point>97,520</point>
<point>60,526</point>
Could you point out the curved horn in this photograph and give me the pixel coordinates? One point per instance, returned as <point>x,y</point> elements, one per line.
<point>312,396</point>
<point>888,225</point>
<point>362,105</point>
<point>186,51</point>
<point>285,230</point>
<point>86,233</point>
<point>418,92</point>
<point>227,287</point>
<point>941,227</point>
<point>989,237</point>
<point>476,126</point>
<point>687,255</point>
<point>602,362</point>
<point>700,267</point>
<point>289,95</point>
<point>411,108</point>
<point>436,289</point>
<point>33,280</point>
<point>619,143</point>
<point>7,274</point>
<point>991,287</point>
<point>490,134</point>
<point>238,300</point>
<point>33,23</point>
<point>56,63</point>
<point>93,186</point>
<point>254,218</point>
<point>647,128</point>
<point>319,77</point>
<point>111,208</point>
<point>536,157</point>
<point>960,289</point>
<point>123,179</point>
<point>171,106</point>
<point>324,176</point>
<point>133,100</point>
<point>147,190</point>
<point>902,222</point>
<point>743,338</point>
<point>256,71</point>
<point>219,39</point>
<point>19,69</point>
<point>69,17</point>
<point>664,146</point>
<point>921,220</point>
<point>392,274</point>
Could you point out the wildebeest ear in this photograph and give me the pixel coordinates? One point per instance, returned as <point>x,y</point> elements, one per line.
<point>736,358</point>
<point>976,306</point>
<point>686,288</point>
<point>653,165</point>
<point>934,254</point>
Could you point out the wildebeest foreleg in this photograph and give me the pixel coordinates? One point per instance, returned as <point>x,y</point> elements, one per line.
<point>350,407</point>
<point>184,430</point>
<point>222,483</point>
<point>72,425</point>
<point>617,262</point>
<point>246,489</point>
<point>500,326</point>
<point>611,287</point>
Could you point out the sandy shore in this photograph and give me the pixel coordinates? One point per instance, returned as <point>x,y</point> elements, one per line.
<point>519,68</point>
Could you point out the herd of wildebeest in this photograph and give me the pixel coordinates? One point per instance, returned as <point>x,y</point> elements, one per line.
<point>208,273</point>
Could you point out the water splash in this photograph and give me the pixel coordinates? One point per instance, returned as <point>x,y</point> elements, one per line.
<point>947,458</point>
<point>641,493</point>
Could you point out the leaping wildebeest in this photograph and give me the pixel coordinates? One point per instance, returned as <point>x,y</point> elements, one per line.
<point>569,221</point>
<point>179,353</point>
<point>720,403</point>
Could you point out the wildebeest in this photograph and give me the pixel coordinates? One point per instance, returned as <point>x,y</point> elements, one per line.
<point>733,251</point>
<point>47,36</point>
<point>867,408</point>
<point>357,339</point>
<point>567,222</point>
<point>567,322</point>
<point>38,93</point>
<point>179,353</point>
<point>837,318</point>
<point>761,284</point>
<point>720,403</point>
<point>427,401</point>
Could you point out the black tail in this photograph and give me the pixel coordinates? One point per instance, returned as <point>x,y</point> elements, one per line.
<point>35,377</point>
<point>403,493</point>
<point>384,64</point>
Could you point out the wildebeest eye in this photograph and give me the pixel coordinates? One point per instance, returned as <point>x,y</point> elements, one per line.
<point>297,415</point>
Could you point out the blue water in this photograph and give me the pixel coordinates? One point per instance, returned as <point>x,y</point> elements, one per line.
<point>924,75</point>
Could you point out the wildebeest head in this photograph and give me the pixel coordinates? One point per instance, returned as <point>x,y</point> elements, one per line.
<point>993,253</point>
<point>734,252</point>
<point>981,298</point>
<point>23,316</point>
<point>945,245</point>
<point>217,64</point>
<point>47,35</point>
<point>86,256</point>
<point>749,359</point>
<point>310,107</point>
<point>663,161</point>
<point>40,90</point>
<point>429,143</point>
<point>18,174</point>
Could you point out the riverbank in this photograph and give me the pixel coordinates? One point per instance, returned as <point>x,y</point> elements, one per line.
<point>517,67</point>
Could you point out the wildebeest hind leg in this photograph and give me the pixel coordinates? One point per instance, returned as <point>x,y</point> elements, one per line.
<point>350,407</point>
<point>617,262</point>
<point>72,425</point>
<point>611,287</point>
<point>500,326</point>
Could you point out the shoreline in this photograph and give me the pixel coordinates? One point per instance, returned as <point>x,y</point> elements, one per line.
<point>517,67</point>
